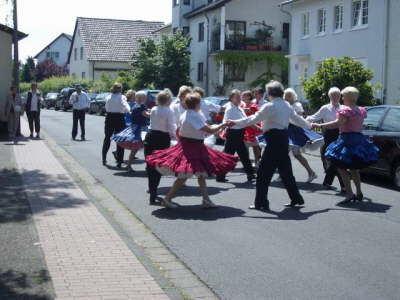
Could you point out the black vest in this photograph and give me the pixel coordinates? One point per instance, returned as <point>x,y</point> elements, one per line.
<point>29,102</point>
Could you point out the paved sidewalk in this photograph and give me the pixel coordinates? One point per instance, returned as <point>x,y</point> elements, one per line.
<point>86,258</point>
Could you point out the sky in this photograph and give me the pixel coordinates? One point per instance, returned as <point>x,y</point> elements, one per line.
<point>44,20</point>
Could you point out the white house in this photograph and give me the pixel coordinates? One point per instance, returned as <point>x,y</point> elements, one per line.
<point>6,63</point>
<point>221,28</point>
<point>57,50</point>
<point>106,46</point>
<point>367,30</point>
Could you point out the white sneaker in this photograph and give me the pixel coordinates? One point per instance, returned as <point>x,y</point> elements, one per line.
<point>208,204</point>
<point>169,204</point>
<point>312,177</point>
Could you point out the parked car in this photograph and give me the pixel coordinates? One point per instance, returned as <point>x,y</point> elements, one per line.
<point>97,106</point>
<point>63,99</point>
<point>92,97</point>
<point>382,126</point>
<point>217,118</point>
<point>50,100</point>
<point>151,97</point>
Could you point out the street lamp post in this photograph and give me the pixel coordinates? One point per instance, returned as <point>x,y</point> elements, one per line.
<point>15,43</point>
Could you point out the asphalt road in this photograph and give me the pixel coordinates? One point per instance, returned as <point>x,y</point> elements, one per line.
<point>322,251</point>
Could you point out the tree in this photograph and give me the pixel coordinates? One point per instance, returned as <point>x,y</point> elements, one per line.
<point>28,69</point>
<point>49,68</point>
<point>146,64</point>
<point>339,72</point>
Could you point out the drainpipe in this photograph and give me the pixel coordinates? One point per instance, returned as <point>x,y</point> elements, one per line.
<point>208,54</point>
<point>385,52</point>
<point>222,45</point>
<point>290,34</point>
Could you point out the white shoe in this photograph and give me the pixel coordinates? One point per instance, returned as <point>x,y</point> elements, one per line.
<point>312,177</point>
<point>208,204</point>
<point>278,179</point>
<point>169,204</point>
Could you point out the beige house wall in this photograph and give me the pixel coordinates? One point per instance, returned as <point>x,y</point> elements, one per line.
<point>5,69</point>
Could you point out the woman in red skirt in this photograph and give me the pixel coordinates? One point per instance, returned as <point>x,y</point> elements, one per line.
<point>190,157</point>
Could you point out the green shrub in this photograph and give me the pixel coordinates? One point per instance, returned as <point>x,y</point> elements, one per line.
<point>339,72</point>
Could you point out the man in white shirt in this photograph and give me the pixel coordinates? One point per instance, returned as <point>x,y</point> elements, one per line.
<point>235,136</point>
<point>275,116</point>
<point>328,113</point>
<point>33,110</point>
<point>80,104</point>
<point>206,107</point>
<point>259,98</point>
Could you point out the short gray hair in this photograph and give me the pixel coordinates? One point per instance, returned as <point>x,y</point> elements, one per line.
<point>292,92</point>
<point>352,92</point>
<point>141,95</point>
<point>333,90</point>
<point>274,88</point>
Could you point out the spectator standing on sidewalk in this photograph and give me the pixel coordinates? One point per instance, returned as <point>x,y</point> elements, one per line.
<point>80,102</point>
<point>116,108</point>
<point>13,111</point>
<point>33,110</point>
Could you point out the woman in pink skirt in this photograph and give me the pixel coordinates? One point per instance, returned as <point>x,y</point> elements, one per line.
<point>190,157</point>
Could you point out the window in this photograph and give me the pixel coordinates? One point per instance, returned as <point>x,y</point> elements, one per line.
<point>338,17</point>
<point>175,30</point>
<point>81,53</point>
<point>235,35</point>
<point>83,75</point>
<point>186,30</point>
<point>201,32</point>
<point>321,21</point>
<point>374,117</point>
<point>186,2</point>
<point>234,72</point>
<point>359,13</point>
<point>52,55</point>
<point>305,24</point>
<point>175,2</point>
<point>392,120</point>
<point>200,71</point>
<point>75,54</point>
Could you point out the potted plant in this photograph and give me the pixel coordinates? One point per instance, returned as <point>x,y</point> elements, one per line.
<point>264,35</point>
<point>252,44</point>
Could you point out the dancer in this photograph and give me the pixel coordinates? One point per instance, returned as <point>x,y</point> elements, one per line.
<point>131,98</point>
<point>275,116</point>
<point>328,113</point>
<point>190,156</point>
<point>179,108</point>
<point>161,130</point>
<point>251,132</point>
<point>131,137</point>
<point>300,137</point>
<point>259,98</point>
<point>235,137</point>
<point>80,104</point>
<point>206,107</point>
<point>116,108</point>
<point>352,150</point>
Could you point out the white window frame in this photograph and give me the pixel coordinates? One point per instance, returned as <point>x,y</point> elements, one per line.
<point>321,21</point>
<point>357,21</point>
<point>305,25</point>
<point>338,17</point>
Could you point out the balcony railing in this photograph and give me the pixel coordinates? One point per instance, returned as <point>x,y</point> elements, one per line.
<point>250,44</point>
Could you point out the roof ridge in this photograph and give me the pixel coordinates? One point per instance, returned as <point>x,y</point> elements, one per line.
<point>109,19</point>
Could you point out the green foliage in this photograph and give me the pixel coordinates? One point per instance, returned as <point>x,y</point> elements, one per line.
<point>127,80</point>
<point>339,72</point>
<point>24,87</point>
<point>27,73</point>
<point>103,84</point>
<point>163,64</point>
<point>55,84</point>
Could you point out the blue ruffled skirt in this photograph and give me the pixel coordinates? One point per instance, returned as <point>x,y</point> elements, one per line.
<point>131,137</point>
<point>352,151</point>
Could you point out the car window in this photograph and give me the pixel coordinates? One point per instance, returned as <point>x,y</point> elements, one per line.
<point>375,115</point>
<point>392,120</point>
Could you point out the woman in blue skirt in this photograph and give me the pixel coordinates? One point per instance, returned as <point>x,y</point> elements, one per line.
<point>352,150</point>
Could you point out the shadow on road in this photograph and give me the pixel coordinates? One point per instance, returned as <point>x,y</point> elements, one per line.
<point>366,206</point>
<point>190,191</point>
<point>294,214</point>
<point>379,181</point>
<point>312,187</point>
<point>195,212</point>
<point>139,173</point>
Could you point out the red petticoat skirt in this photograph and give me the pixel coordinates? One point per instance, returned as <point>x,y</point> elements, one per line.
<point>131,145</point>
<point>188,158</point>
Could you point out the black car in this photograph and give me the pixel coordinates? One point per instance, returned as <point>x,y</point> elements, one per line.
<point>63,99</point>
<point>382,126</point>
<point>50,100</point>
<point>97,106</point>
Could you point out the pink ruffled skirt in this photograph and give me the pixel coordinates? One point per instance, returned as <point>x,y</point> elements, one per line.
<point>191,158</point>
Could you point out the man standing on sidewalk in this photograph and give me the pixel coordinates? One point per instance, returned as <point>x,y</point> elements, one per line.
<point>80,103</point>
<point>33,110</point>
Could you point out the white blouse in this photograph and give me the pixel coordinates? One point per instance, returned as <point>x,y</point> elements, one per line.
<point>162,119</point>
<point>191,122</point>
<point>178,110</point>
<point>327,113</point>
<point>116,103</point>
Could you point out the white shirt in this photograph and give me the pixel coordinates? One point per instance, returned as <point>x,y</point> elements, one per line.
<point>326,113</point>
<point>192,121</point>
<point>234,112</point>
<point>162,119</point>
<point>260,103</point>
<point>274,115</point>
<point>298,108</point>
<point>178,110</point>
<point>116,103</point>
<point>34,102</point>
<point>79,102</point>
<point>207,107</point>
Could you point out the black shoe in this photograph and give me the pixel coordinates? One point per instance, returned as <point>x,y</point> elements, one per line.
<point>119,165</point>
<point>31,136</point>
<point>73,138</point>
<point>153,199</point>
<point>359,197</point>
<point>115,155</point>
<point>104,162</point>
<point>265,207</point>
<point>348,200</point>
<point>83,139</point>
<point>221,179</point>
<point>295,203</point>
<point>38,136</point>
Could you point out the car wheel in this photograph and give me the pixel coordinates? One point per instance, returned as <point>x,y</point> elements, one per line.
<point>396,174</point>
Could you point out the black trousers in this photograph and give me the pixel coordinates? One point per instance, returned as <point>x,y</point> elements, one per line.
<point>235,144</point>
<point>114,123</point>
<point>34,121</point>
<point>276,156</point>
<point>155,140</point>
<point>78,115</point>
<point>330,136</point>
